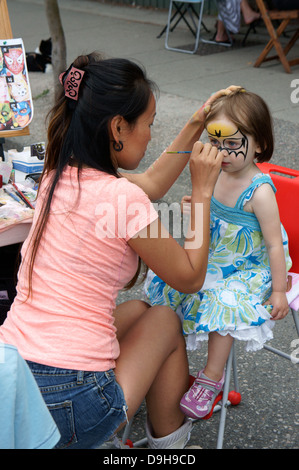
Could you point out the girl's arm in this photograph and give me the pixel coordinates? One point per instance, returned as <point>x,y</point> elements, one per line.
<point>184,269</point>
<point>265,208</point>
<point>162,174</point>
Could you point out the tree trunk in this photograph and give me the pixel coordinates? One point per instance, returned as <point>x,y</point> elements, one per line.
<point>58,42</point>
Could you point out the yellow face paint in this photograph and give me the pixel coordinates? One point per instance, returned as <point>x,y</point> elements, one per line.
<point>225,135</point>
<point>221,129</point>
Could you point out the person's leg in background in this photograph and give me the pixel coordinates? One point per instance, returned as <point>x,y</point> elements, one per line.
<point>230,17</point>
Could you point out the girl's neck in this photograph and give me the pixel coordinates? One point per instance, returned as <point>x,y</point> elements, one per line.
<point>230,186</point>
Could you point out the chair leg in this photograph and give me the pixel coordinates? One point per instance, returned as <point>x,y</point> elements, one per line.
<point>296,320</point>
<point>178,12</point>
<point>277,351</point>
<point>225,398</point>
<point>182,17</point>
<point>226,44</point>
<point>196,14</point>
<point>274,42</point>
<point>171,20</point>
<point>250,28</point>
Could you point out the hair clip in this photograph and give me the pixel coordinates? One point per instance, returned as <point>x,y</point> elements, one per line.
<point>72,82</point>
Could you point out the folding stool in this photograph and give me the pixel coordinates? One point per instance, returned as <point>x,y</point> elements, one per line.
<point>284,17</point>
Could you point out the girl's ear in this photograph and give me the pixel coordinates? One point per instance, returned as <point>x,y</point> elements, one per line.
<point>258,151</point>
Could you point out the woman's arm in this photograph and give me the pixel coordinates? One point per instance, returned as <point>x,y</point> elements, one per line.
<point>184,269</point>
<point>162,174</point>
<point>265,208</point>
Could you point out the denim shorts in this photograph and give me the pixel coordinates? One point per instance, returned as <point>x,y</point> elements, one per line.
<point>87,407</point>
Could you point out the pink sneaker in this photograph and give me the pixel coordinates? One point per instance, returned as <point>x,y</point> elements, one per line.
<point>199,399</point>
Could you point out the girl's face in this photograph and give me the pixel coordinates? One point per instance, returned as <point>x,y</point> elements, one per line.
<point>136,139</point>
<point>239,148</point>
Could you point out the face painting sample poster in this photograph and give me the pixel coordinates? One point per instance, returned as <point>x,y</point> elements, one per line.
<point>16,106</point>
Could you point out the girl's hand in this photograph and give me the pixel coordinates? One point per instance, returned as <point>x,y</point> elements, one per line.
<point>280,305</point>
<point>200,115</point>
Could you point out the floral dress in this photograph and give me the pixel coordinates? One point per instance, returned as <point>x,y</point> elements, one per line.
<point>237,283</point>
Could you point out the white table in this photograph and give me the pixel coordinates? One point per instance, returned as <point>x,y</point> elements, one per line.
<point>15,233</point>
<point>19,232</point>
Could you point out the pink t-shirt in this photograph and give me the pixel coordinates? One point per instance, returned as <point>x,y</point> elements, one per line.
<point>81,264</point>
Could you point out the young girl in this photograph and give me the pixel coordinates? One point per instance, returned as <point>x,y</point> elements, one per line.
<point>245,285</point>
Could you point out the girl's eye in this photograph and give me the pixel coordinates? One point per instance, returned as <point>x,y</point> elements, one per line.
<point>233,143</point>
<point>214,142</point>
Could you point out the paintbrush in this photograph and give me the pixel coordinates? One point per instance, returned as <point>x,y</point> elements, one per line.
<point>13,196</point>
<point>180,151</point>
<point>22,196</point>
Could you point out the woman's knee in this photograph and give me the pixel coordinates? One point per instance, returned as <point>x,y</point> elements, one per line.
<point>167,319</point>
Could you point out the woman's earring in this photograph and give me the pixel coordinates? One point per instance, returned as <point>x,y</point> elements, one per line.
<point>118,146</point>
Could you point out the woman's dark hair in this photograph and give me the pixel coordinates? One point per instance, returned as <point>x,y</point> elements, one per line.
<point>110,87</point>
<point>251,115</point>
<point>78,131</point>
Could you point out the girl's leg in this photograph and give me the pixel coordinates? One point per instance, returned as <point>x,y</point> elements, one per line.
<point>199,400</point>
<point>152,363</point>
<point>218,351</point>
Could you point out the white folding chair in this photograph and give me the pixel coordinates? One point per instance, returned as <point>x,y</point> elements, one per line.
<point>185,11</point>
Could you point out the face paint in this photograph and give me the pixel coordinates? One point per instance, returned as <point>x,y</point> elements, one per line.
<point>226,136</point>
<point>14,60</point>
<point>21,109</point>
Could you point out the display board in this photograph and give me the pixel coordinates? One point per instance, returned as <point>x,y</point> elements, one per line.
<point>6,35</point>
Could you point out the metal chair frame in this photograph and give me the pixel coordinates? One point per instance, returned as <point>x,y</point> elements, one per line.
<point>184,8</point>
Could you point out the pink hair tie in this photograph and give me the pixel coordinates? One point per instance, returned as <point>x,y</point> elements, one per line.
<point>72,82</point>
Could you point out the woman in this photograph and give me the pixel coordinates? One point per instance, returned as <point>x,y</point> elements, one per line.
<point>230,17</point>
<point>95,363</point>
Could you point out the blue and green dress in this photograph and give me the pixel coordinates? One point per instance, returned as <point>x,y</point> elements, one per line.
<point>237,283</point>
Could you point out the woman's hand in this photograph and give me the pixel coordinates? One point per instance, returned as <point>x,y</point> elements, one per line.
<point>200,115</point>
<point>205,163</point>
<point>186,205</point>
<point>161,175</point>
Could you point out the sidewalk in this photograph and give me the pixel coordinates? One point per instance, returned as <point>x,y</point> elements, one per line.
<point>268,414</point>
<point>185,80</point>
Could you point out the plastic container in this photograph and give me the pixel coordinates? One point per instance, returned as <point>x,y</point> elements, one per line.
<point>30,160</point>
